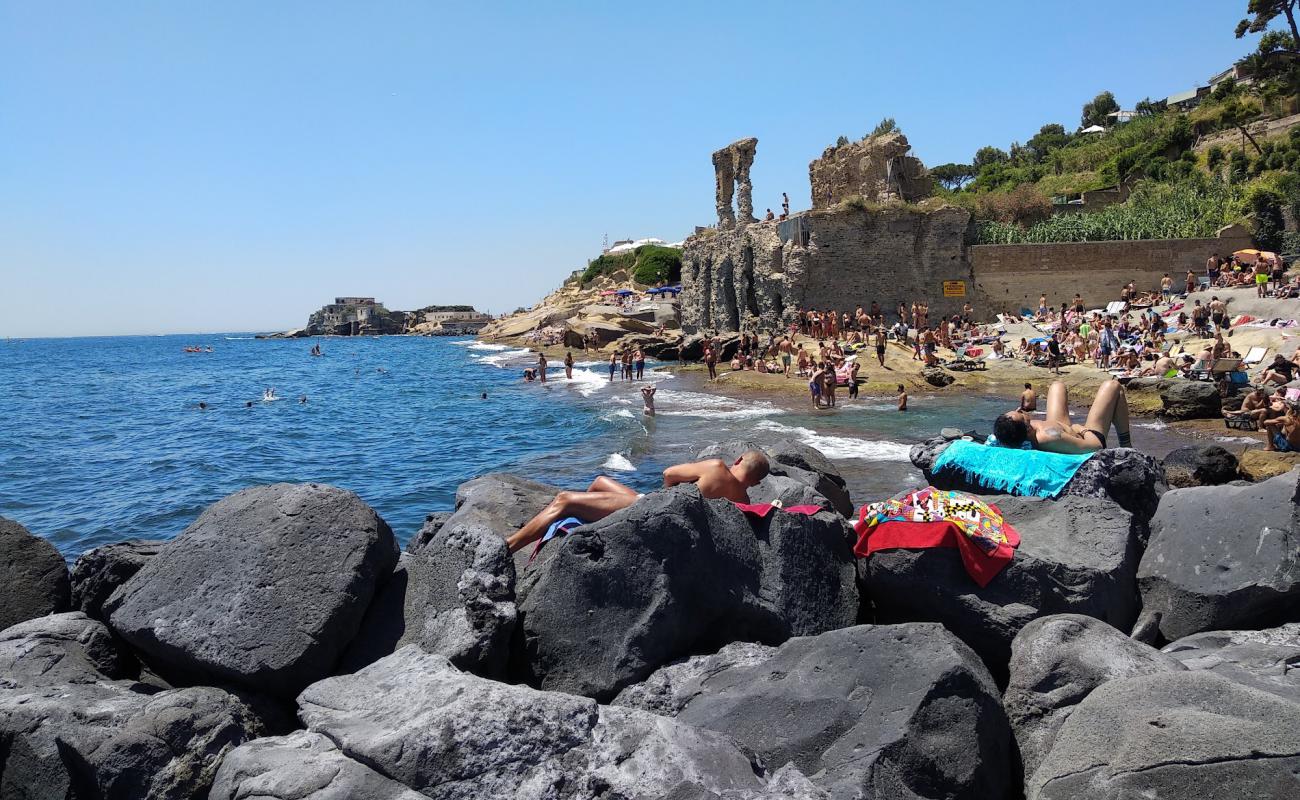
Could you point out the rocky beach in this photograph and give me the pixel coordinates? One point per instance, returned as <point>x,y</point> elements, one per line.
<point>283,647</point>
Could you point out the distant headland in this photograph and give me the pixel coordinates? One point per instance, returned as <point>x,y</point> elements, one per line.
<point>365,316</point>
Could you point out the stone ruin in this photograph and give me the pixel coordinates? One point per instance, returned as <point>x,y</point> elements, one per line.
<point>878,169</point>
<point>731,169</point>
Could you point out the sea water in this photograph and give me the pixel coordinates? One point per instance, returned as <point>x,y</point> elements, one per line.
<point>102,439</point>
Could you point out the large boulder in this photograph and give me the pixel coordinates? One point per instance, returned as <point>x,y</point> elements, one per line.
<point>98,572</point>
<point>1222,557</point>
<point>795,469</point>
<point>674,574</point>
<point>59,648</point>
<point>454,596</point>
<point>670,687</point>
<point>1260,465</point>
<point>1192,400</point>
<point>33,576</point>
<point>265,589</point>
<point>301,766</point>
<point>1200,466</point>
<point>1077,555</point>
<point>1057,661</point>
<point>415,718</point>
<point>105,740</point>
<point>69,728</point>
<point>937,377</point>
<point>1267,659</point>
<point>1174,735</point>
<point>1131,478</point>
<point>886,711</point>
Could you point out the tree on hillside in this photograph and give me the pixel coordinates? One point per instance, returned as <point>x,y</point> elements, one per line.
<point>1049,137</point>
<point>953,176</point>
<point>886,125</point>
<point>1239,115</point>
<point>1094,112</point>
<point>989,155</point>
<point>1263,12</point>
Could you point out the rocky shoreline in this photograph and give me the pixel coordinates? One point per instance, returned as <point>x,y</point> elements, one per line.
<point>1141,642</point>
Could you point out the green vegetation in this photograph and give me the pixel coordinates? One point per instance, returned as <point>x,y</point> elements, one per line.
<point>1176,190</point>
<point>647,264</point>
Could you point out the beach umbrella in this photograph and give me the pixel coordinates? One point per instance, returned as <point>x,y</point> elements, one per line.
<point>623,292</point>
<point>608,292</point>
<point>1247,256</point>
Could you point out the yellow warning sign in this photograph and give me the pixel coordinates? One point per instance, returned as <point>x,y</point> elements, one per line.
<point>954,288</point>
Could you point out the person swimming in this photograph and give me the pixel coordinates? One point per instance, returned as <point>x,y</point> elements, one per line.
<point>269,395</point>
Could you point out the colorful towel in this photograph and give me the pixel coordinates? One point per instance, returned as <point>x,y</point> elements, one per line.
<point>933,517</point>
<point>1020,472</point>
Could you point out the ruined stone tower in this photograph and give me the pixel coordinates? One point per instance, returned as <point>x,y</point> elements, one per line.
<point>731,170</point>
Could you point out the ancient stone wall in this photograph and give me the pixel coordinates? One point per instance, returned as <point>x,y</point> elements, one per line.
<point>878,169</point>
<point>731,172</point>
<point>1011,277</point>
<point>758,276</point>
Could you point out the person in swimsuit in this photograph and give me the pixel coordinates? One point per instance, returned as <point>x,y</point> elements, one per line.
<point>1029,399</point>
<point>714,478</point>
<point>648,397</point>
<point>1283,434</point>
<point>568,364</point>
<point>902,397</point>
<point>1057,434</point>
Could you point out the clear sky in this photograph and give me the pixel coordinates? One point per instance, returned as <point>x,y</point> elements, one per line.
<point>231,166</point>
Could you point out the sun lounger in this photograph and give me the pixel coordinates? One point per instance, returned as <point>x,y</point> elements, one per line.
<point>1255,356</point>
<point>1116,307</point>
<point>1218,368</point>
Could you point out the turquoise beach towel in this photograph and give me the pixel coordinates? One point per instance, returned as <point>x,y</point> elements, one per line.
<point>1019,472</point>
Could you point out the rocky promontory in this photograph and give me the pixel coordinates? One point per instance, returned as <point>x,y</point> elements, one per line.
<point>281,647</point>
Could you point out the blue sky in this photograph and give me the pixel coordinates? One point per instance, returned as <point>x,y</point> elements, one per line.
<point>204,166</point>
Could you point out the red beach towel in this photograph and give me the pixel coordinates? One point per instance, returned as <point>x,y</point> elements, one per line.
<point>930,517</point>
<point>761,510</point>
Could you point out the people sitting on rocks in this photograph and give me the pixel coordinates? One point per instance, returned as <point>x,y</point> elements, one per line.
<point>1057,434</point>
<point>1255,406</point>
<point>1283,434</point>
<point>1280,372</point>
<point>714,478</point>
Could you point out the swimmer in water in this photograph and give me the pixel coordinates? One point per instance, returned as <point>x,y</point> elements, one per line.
<point>648,396</point>
<point>303,400</point>
<point>484,397</point>
<point>249,404</point>
<point>202,406</point>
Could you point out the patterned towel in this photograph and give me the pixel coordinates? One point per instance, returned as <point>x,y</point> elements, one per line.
<point>1032,473</point>
<point>933,517</point>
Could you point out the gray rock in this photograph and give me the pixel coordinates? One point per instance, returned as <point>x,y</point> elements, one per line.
<point>265,589</point>
<point>300,766</point>
<point>1191,400</point>
<point>1267,659</point>
<point>415,718</point>
<point>1174,735</point>
<point>1222,557</point>
<point>104,739</point>
<point>453,597</point>
<point>675,574</point>
<point>796,461</point>
<point>666,691</point>
<point>938,377</point>
<point>33,576</point>
<point>886,711</point>
<point>1077,555</point>
<point>432,524</point>
<point>57,649</point>
<point>97,573</point>
<point>1200,466</point>
<point>1056,662</point>
<point>1131,478</point>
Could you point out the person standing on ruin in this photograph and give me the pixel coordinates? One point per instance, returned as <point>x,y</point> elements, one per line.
<point>785,205</point>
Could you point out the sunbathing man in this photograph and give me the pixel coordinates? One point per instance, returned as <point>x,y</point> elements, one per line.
<point>1057,434</point>
<point>712,476</point>
<point>1255,406</point>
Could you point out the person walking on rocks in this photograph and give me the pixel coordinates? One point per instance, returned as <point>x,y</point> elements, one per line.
<point>715,479</point>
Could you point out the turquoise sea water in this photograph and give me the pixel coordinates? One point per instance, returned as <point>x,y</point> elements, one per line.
<point>101,439</point>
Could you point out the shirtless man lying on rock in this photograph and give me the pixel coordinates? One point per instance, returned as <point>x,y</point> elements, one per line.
<point>714,478</point>
<point>1057,434</point>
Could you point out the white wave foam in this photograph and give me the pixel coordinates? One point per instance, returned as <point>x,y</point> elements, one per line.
<point>842,446</point>
<point>585,381</point>
<point>696,404</point>
<point>610,416</point>
<point>1236,440</point>
<point>1155,425</point>
<point>238,338</point>
<point>483,346</point>
<point>617,462</point>
<point>499,360</point>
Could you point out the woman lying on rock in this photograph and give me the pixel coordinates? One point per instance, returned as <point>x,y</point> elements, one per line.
<point>712,476</point>
<point>1057,434</point>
